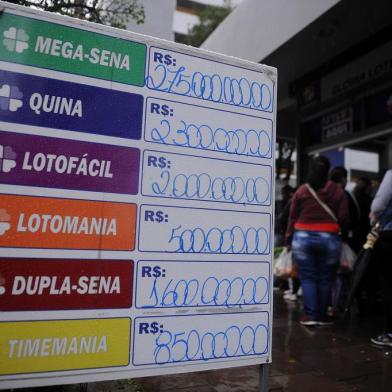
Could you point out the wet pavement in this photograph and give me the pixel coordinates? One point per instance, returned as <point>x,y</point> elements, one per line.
<point>324,359</point>
<point>338,358</point>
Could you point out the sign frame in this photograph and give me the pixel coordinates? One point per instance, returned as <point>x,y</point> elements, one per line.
<point>253,106</point>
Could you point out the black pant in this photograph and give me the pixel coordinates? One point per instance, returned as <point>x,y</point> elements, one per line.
<point>383,257</point>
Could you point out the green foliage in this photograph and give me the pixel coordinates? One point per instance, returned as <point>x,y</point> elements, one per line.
<point>210,18</point>
<point>114,13</point>
<point>134,385</point>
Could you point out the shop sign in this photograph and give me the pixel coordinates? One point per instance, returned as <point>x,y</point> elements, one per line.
<point>337,124</point>
<point>369,67</point>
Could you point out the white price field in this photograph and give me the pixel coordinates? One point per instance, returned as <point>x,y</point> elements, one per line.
<point>175,284</point>
<point>200,230</point>
<point>199,338</point>
<point>191,177</point>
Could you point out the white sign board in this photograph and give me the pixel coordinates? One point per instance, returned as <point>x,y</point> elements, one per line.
<point>136,204</point>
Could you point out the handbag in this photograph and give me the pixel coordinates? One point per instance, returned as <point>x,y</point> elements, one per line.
<point>284,264</point>
<point>347,255</point>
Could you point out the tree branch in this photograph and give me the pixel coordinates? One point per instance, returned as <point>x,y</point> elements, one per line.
<point>115,12</point>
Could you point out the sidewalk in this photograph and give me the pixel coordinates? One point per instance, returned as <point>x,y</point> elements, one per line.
<point>338,358</point>
<point>326,359</point>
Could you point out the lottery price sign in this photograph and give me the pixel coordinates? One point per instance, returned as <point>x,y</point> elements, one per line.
<point>136,204</point>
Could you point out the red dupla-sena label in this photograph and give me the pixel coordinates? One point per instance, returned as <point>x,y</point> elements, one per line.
<point>34,284</point>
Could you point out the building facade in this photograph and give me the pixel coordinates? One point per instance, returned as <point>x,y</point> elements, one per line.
<point>172,19</point>
<point>334,63</point>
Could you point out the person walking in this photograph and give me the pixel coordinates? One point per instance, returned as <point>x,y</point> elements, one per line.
<point>359,201</point>
<point>282,214</point>
<point>338,175</point>
<point>381,211</point>
<point>362,195</point>
<point>318,213</point>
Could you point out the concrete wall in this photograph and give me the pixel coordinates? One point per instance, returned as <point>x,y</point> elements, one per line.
<point>158,21</point>
<point>258,27</point>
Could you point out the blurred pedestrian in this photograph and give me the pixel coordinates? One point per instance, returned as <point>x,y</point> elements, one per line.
<point>339,176</point>
<point>282,209</point>
<point>359,207</point>
<point>359,201</point>
<point>318,213</point>
<point>362,195</point>
<point>282,214</point>
<point>282,219</point>
<point>381,211</point>
<point>367,290</point>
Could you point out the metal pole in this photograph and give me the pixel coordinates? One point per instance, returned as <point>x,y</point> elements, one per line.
<point>263,377</point>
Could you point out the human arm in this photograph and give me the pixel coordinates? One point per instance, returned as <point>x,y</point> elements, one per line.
<point>343,214</point>
<point>382,198</point>
<point>293,217</point>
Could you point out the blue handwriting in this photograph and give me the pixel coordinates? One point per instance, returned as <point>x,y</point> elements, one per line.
<point>234,240</point>
<point>249,142</point>
<point>203,186</point>
<point>208,292</point>
<point>192,346</point>
<point>238,92</point>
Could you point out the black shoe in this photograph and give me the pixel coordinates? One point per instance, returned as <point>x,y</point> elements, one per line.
<point>382,340</point>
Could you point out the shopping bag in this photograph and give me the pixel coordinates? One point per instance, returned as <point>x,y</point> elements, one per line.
<point>347,257</point>
<point>284,264</point>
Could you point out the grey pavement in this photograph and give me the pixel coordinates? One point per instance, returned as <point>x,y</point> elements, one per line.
<point>324,359</point>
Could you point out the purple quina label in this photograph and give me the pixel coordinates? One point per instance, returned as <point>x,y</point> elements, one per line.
<point>57,104</point>
<point>66,164</point>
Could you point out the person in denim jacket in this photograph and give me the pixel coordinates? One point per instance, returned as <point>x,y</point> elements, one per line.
<point>313,234</point>
<point>381,211</point>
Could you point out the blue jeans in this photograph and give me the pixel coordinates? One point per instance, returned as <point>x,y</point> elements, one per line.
<point>317,256</point>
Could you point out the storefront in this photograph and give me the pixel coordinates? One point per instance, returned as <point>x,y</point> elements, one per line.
<point>334,61</point>
<point>347,115</point>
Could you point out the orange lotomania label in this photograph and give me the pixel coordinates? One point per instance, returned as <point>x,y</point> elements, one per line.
<point>42,222</point>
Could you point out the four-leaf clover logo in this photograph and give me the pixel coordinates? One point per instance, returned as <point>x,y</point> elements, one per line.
<point>2,283</point>
<point>15,40</point>
<point>4,221</point>
<point>10,98</point>
<point>7,159</point>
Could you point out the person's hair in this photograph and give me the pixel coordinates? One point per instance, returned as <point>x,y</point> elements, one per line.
<point>363,185</point>
<point>318,175</point>
<point>337,174</point>
<point>287,191</point>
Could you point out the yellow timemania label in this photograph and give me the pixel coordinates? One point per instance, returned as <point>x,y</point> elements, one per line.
<point>45,346</point>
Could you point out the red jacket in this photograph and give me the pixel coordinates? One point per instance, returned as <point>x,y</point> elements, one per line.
<point>305,210</point>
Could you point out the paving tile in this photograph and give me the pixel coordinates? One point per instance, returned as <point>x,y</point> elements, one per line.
<point>381,382</point>
<point>312,382</point>
<point>174,382</point>
<point>361,353</point>
<point>336,366</point>
<point>284,363</point>
<point>190,389</point>
<point>297,335</point>
<point>336,359</point>
<point>241,379</point>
